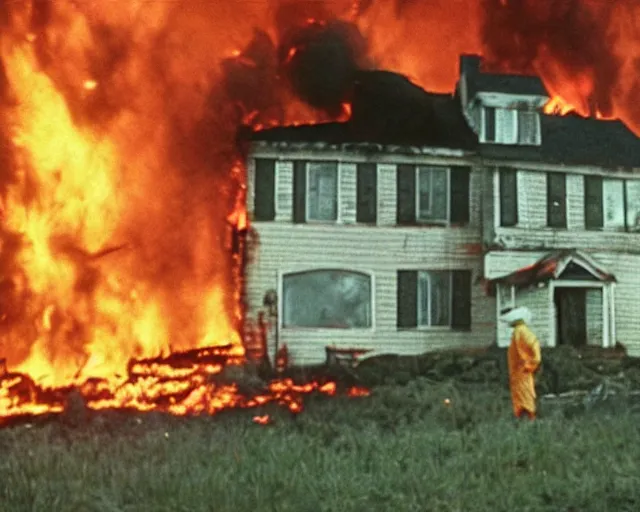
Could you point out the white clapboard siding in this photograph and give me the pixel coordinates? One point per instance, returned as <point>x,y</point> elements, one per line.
<point>387,195</point>
<point>550,239</point>
<point>373,250</point>
<point>284,191</point>
<point>347,192</point>
<point>378,250</point>
<point>502,263</point>
<point>531,231</point>
<point>595,324</point>
<point>627,297</point>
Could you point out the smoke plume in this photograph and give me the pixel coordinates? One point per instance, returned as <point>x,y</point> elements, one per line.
<point>321,60</point>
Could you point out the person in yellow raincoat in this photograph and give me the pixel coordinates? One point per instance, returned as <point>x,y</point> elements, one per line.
<point>524,360</point>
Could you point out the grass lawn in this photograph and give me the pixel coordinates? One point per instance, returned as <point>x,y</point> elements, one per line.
<point>402,448</point>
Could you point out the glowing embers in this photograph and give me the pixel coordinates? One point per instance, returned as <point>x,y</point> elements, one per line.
<point>199,381</point>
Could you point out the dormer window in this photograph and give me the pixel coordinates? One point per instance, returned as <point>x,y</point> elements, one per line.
<point>510,126</point>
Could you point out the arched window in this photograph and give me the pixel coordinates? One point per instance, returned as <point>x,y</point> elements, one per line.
<point>329,299</point>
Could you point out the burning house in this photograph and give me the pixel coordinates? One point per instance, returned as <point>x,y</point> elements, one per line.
<point>126,211</point>
<point>410,226</point>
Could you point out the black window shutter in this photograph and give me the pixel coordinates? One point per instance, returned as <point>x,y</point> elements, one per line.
<point>367,193</point>
<point>508,197</point>
<point>459,203</point>
<point>407,298</point>
<point>406,196</point>
<point>299,191</point>
<point>490,124</point>
<point>556,200</point>
<point>461,300</point>
<point>264,204</point>
<point>593,208</point>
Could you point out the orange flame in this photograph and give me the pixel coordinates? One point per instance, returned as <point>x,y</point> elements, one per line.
<point>265,419</point>
<point>90,85</point>
<point>558,106</point>
<point>358,391</point>
<point>93,281</point>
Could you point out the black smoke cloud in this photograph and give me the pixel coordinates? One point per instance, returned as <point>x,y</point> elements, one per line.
<point>321,61</point>
<point>314,60</point>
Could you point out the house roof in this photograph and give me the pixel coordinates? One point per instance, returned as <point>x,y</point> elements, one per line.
<point>388,109</point>
<point>575,140</point>
<point>570,263</point>
<point>507,84</point>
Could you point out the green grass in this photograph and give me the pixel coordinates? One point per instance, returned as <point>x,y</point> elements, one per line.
<point>402,449</point>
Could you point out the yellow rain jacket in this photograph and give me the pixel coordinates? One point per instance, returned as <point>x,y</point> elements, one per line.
<point>524,360</point>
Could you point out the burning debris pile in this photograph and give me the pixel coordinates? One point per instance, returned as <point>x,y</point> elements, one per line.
<point>199,381</point>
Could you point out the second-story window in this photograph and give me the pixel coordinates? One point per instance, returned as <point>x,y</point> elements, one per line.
<point>556,200</point>
<point>432,195</point>
<point>315,191</point>
<point>508,197</point>
<point>322,191</point>
<point>611,204</point>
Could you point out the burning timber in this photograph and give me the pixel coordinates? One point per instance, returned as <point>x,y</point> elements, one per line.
<point>198,381</point>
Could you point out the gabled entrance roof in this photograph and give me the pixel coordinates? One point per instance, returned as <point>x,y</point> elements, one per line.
<point>563,264</point>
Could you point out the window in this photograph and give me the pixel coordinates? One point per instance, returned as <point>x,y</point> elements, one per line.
<point>432,195</point>
<point>264,180</point>
<point>528,127</point>
<point>612,204</point>
<point>510,126</point>
<point>508,197</point>
<point>322,191</point>
<point>329,299</point>
<point>315,191</point>
<point>434,298</point>
<point>367,194</point>
<point>506,126</point>
<point>556,200</point>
